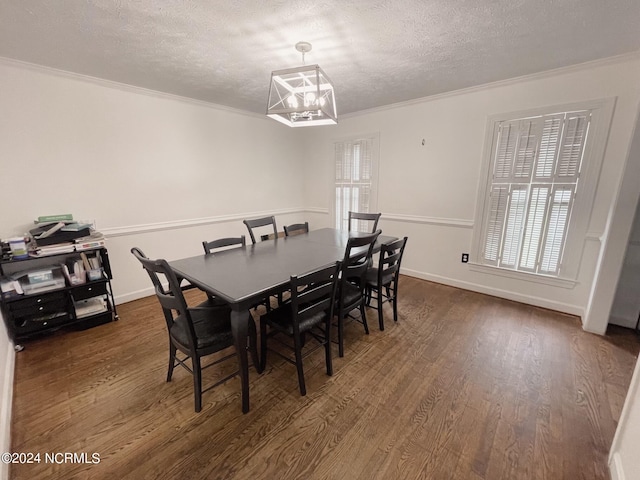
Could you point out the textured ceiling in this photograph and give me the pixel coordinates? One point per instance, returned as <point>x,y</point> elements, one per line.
<point>376,52</point>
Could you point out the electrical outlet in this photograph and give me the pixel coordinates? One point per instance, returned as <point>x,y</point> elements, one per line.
<point>465,257</point>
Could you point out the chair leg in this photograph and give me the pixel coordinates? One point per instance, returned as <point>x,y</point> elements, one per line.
<point>380,316</point>
<point>263,344</point>
<point>172,360</point>
<point>363,315</point>
<point>340,336</point>
<point>197,381</point>
<point>327,347</point>
<point>253,346</point>
<point>298,349</point>
<point>395,303</point>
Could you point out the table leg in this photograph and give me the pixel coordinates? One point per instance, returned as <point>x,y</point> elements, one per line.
<point>239,327</point>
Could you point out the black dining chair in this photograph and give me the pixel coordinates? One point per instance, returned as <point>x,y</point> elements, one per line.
<point>308,313</point>
<point>195,331</point>
<point>364,217</point>
<point>383,279</point>
<point>223,244</point>
<point>213,246</point>
<point>261,222</point>
<point>351,288</point>
<point>296,229</point>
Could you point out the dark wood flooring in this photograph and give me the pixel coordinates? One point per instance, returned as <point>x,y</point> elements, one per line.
<point>464,386</point>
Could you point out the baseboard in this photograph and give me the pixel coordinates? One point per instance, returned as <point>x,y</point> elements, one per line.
<point>5,407</point>
<point>496,292</point>
<point>130,297</point>
<point>615,467</point>
<point>623,321</point>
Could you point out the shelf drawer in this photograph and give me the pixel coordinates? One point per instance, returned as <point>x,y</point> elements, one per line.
<point>89,290</point>
<point>37,324</point>
<point>39,305</point>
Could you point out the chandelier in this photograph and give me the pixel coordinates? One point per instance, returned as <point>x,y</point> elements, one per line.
<point>302,96</point>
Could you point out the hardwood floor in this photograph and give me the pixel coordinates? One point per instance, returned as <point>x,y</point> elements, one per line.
<point>464,386</point>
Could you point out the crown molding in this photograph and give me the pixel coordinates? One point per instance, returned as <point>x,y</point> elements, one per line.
<point>602,62</point>
<point>124,87</point>
<point>168,96</point>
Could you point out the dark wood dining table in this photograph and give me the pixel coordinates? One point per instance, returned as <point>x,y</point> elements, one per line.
<point>247,275</point>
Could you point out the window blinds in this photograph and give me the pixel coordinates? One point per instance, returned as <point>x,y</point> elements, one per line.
<point>536,168</point>
<point>354,177</point>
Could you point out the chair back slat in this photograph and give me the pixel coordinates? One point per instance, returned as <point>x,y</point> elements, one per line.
<point>357,255</point>
<point>171,298</point>
<point>223,243</point>
<point>368,217</point>
<point>296,229</point>
<point>390,258</point>
<point>261,222</point>
<point>313,292</point>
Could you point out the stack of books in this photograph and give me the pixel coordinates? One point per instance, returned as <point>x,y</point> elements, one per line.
<point>55,234</point>
<point>54,249</point>
<point>94,240</point>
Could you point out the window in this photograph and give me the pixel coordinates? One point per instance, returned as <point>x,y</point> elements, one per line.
<point>355,178</point>
<point>537,197</point>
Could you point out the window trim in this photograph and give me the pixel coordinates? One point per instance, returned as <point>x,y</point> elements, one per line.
<point>375,169</point>
<point>602,114</point>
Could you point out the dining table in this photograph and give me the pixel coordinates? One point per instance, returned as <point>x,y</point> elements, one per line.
<point>247,275</point>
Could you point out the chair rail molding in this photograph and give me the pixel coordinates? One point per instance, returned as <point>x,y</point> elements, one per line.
<point>192,222</point>
<point>445,222</point>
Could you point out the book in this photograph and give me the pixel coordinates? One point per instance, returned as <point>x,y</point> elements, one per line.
<point>53,249</point>
<point>95,240</point>
<point>46,224</point>
<point>92,237</point>
<point>91,244</point>
<point>51,230</point>
<point>76,227</point>
<point>58,236</point>
<point>54,218</point>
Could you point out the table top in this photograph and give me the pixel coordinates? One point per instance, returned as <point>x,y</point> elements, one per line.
<point>241,276</point>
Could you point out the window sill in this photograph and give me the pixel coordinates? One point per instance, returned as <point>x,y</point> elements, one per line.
<point>524,276</point>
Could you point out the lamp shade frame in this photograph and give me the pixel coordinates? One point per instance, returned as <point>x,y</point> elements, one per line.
<point>302,96</point>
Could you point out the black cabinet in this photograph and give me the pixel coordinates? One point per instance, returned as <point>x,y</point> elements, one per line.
<point>40,310</point>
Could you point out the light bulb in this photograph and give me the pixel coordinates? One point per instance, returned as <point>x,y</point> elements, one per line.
<point>292,101</point>
<point>309,99</point>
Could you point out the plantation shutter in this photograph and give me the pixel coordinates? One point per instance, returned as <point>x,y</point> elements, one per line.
<point>534,179</point>
<point>354,178</point>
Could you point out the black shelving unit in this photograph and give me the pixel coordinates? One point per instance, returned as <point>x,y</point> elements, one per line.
<point>29,315</point>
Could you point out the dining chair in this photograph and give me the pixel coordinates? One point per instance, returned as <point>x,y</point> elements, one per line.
<point>296,229</point>
<point>364,217</point>
<point>223,244</point>
<point>351,287</point>
<point>195,331</point>
<point>308,313</point>
<point>383,279</point>
<point>218,245</point>
<point>261,222</point>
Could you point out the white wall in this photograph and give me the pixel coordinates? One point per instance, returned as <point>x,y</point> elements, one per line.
<point>429,192</point>
<point>626,303</point>
<point>615,240</point>
<point>154,171</point>
<point>624,461</point>
<point>7,355</point>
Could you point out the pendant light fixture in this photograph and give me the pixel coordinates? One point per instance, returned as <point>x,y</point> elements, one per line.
<point>302,96</point>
